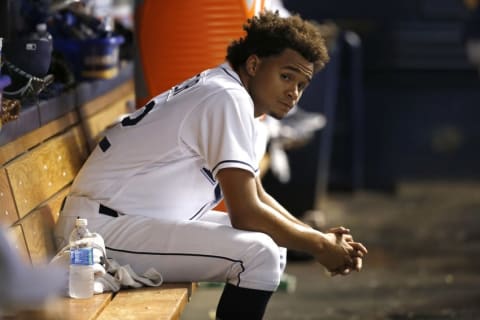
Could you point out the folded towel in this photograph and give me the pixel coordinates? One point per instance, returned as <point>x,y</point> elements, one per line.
<point>118,277</point>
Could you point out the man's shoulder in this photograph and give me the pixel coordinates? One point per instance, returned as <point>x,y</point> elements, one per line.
<point>221,84</point>
<point>223,77</point>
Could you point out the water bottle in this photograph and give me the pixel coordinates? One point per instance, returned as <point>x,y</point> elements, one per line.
<point>39,47</point>
<point>81,276</point>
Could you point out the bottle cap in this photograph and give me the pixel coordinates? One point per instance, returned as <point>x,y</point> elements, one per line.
<point>42,27</point>
<point>81,222</point>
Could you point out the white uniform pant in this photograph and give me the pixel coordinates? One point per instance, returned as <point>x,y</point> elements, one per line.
<point>207,249</point>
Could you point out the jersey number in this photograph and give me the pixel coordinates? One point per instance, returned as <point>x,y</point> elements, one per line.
<point>187,84</point>
<point>129,121</point>
<point>184,86</point>
<point>137,116</point>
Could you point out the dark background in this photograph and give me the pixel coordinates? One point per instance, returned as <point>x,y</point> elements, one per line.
<point>407,109</point>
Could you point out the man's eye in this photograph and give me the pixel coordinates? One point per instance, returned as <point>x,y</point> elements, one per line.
<point>285,76</point>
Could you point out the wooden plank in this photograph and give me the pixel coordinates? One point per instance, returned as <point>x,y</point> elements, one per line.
<point>95,125</point>
<point>17,240</point>
<point>40,173</point>
<point>54,205</point>
<point>38,229</point>
<point>83,309</point>
<point>164,303</point>
<point>13,149</point>
<point>8,211</point>
<point>66,308</point>
<point>98,104</point>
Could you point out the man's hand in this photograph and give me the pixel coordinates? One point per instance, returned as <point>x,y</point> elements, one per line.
<point>342,253</point>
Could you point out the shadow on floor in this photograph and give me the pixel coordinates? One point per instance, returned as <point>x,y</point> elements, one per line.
<point>423,261</point>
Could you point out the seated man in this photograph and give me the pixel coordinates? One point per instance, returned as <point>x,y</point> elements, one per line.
<point>150,185</point>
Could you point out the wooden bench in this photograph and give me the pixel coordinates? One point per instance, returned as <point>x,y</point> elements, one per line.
<point>36,171</point>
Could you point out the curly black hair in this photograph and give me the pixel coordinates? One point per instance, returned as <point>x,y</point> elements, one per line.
<point>269,34</point>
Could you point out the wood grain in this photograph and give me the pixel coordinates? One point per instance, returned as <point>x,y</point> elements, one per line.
<point>40,173</point>
<point>38,229</point>
<point>95,125</point>
<point>164,303</point>
<point>62,308</point>
<point>8,211</point>
<point>15,233</point>
<point>98,104</point>
<point>13,149</point>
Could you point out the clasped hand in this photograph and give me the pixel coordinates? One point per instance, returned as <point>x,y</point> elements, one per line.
<point>345,254</point>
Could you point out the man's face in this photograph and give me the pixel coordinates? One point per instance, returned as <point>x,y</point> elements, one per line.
<point>277,82</point>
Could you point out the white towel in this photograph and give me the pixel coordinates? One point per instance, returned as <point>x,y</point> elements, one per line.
<point>118,277</point>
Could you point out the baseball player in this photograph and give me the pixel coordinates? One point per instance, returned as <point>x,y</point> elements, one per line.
<point>150,185</point>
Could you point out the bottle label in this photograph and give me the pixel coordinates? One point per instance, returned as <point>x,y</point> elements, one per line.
<point>81,256</point>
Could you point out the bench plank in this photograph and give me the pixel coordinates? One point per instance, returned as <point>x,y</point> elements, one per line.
<point>38,229</point>
<point>84,309</point>
<point>96,124</point>
<point>98,104</point>
<point>67,308</point>
<point>164,303</point>
<point>38,174</point>
<point>31,139</point>
<point>8,212</point>
<point>17,240</point>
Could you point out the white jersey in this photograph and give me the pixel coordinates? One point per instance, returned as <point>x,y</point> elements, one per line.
<point>162,160</point>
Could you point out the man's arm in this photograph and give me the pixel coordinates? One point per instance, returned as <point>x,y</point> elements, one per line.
<point>248,212</point>
<point>266,198</point>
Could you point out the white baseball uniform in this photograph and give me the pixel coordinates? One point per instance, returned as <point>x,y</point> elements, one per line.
<point>149,187</point>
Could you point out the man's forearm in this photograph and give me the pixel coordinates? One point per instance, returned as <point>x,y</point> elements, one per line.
<point>270,201</point>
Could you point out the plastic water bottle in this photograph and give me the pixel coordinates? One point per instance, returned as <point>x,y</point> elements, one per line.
<point>81,278</point>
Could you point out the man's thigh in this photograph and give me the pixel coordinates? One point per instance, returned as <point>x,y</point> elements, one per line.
<point>181,250</point>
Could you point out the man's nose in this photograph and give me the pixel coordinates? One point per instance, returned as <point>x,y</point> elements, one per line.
<point>293,93</point>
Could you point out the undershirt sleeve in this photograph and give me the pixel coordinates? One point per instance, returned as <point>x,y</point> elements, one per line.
<point>222,131</point>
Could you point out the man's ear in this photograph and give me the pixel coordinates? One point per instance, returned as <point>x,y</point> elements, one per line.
<point>252,64</point>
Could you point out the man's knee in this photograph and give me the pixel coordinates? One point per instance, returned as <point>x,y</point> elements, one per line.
<point>271,254</point>
<point>263,265</point>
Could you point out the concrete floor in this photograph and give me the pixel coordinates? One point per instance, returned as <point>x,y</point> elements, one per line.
<point>424,263</point>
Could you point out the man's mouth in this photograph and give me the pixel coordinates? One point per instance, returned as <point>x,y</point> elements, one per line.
<point>287,106</point>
